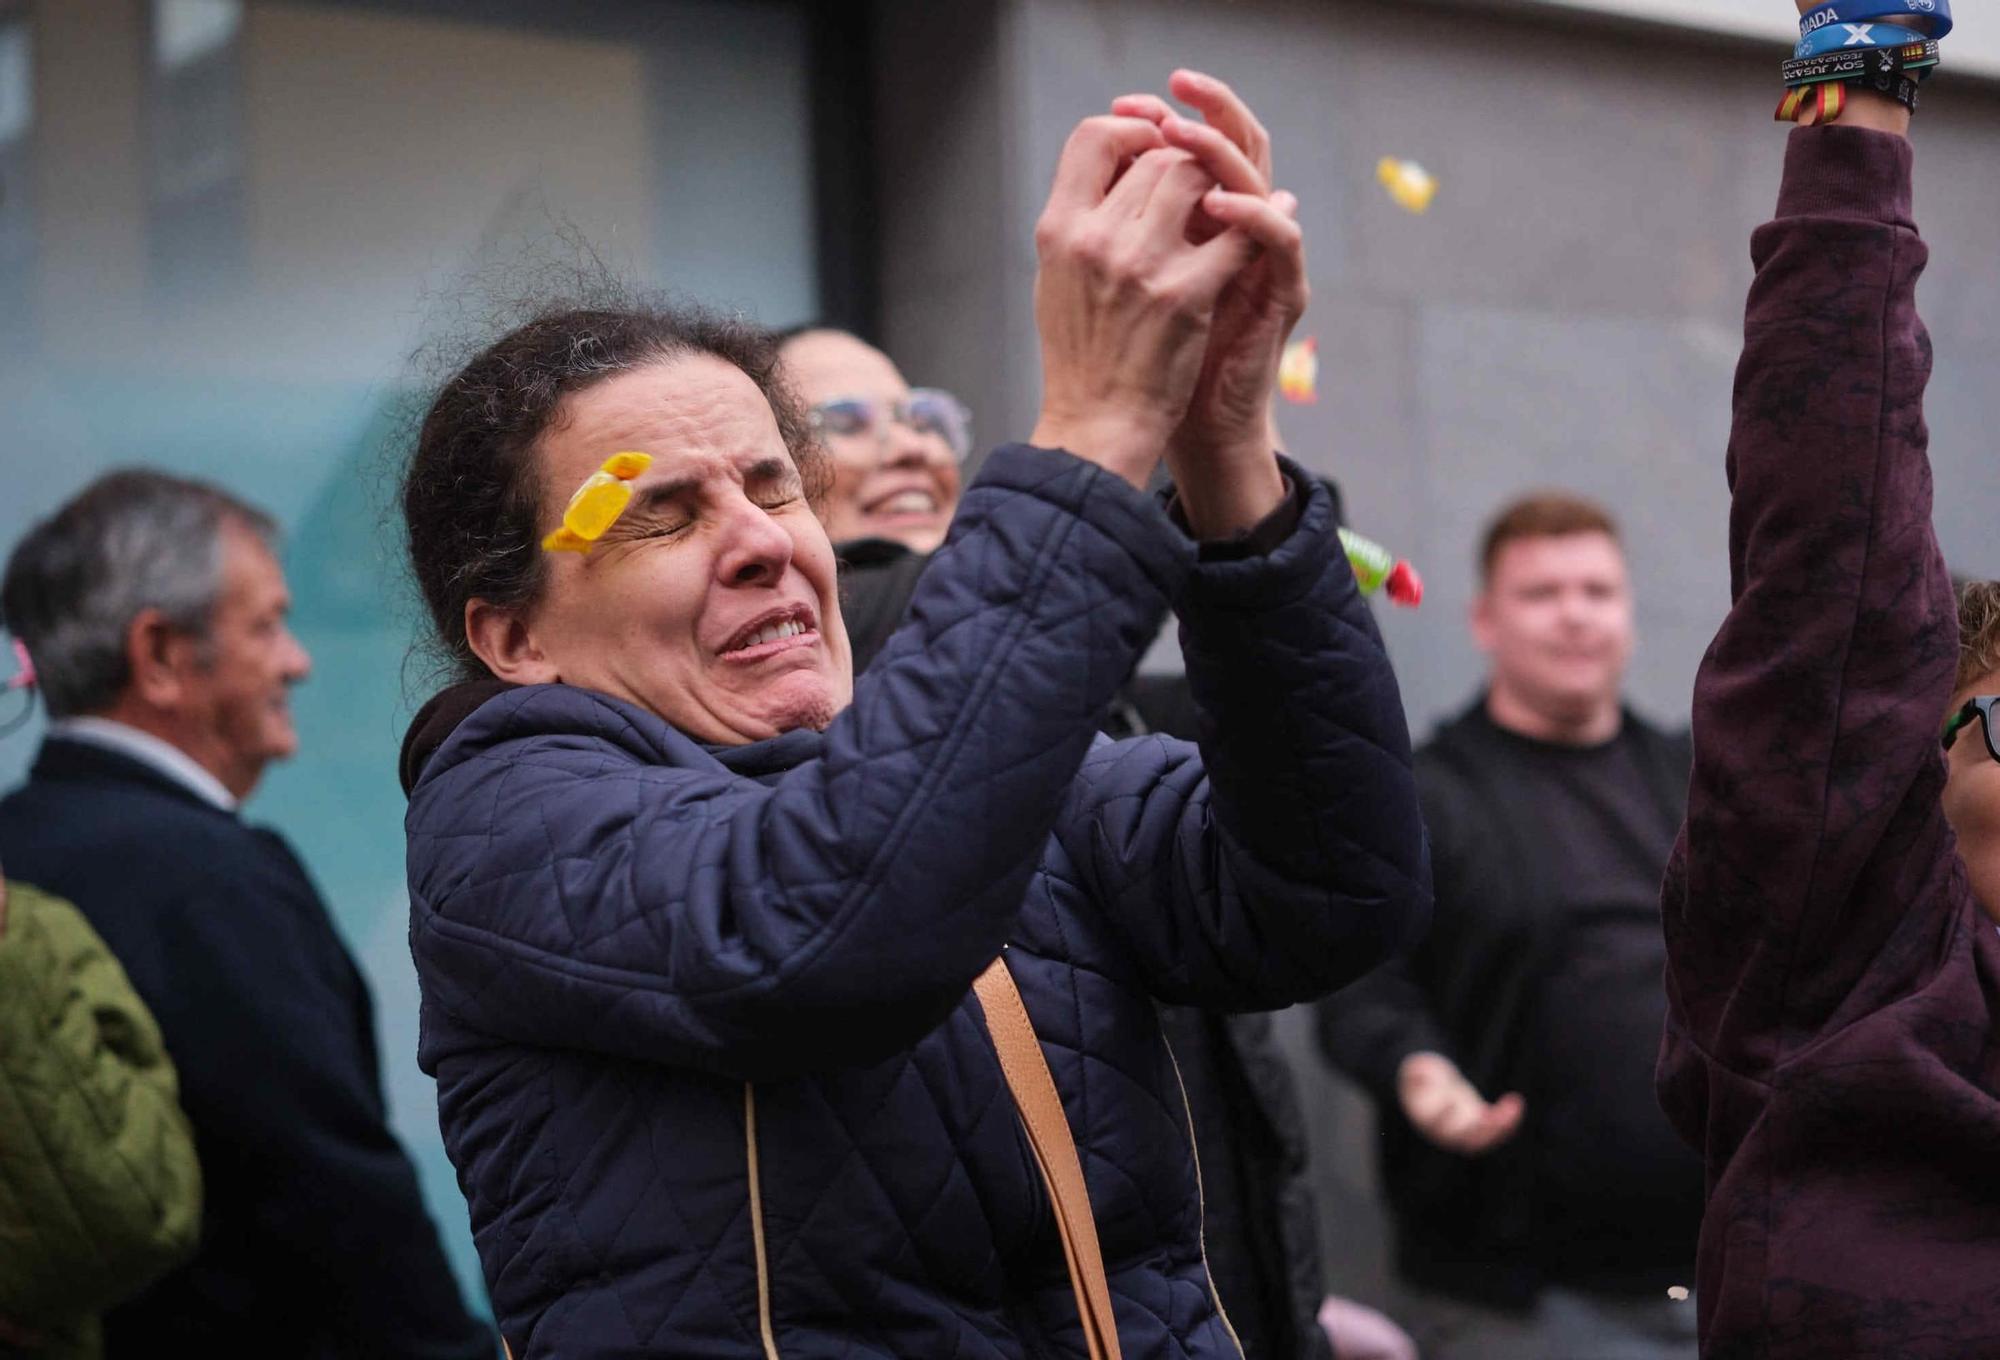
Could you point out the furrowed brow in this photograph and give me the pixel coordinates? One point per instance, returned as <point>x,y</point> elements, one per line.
<point>653,497</point>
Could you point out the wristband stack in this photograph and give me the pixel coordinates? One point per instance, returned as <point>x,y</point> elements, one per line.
<point>1888,46</point>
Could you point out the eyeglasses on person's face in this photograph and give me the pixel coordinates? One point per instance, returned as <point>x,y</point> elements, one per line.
<point>927,411</point>
<point>1975,711</point>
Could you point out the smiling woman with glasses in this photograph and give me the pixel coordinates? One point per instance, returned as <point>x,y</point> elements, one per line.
<point>928,412</point>
<point>896,450</point>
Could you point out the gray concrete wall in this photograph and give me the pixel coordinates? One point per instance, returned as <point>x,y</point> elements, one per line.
<point>1568,313</point>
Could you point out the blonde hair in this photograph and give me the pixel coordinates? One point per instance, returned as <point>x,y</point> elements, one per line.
<point>1978,632</point>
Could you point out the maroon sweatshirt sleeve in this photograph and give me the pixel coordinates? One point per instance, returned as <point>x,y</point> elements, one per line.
<point>1832,989</point>
<point>1808,888</point>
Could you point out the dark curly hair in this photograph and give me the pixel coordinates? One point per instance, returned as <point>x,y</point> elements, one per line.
<point>471,497</point>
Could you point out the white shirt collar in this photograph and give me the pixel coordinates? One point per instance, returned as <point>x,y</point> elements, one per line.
<point>161,756</point>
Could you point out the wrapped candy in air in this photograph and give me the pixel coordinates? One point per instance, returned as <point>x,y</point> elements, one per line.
<point>1298,372</point>
<point>1408,183</point>
<point>1376,568</point>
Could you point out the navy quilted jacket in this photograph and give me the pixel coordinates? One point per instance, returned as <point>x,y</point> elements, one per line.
<point>708,1062</point>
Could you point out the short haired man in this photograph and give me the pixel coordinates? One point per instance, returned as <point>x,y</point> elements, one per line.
<point>1543,1204</point>
<point>155,613</point>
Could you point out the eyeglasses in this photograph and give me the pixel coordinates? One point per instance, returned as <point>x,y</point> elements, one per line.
<point>928,411</point>
<point>1979,711</point>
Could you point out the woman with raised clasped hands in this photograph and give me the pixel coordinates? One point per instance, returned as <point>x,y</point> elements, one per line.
<point>737,975</point>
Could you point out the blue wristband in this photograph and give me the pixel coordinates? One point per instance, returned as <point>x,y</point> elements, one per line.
<point>1934,15</point>
<point>1846,37</point>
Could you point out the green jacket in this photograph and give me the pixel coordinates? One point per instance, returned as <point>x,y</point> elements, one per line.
<point>100,1192</point>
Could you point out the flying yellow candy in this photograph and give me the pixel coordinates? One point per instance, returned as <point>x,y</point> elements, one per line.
<point>597,504</point>
<point>1298,372</point>
<point>1407,182</point>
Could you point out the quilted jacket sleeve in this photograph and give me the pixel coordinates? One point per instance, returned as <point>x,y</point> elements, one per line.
<point>1283,856</point>
<point>100,1191</point>
<point>586,891</point>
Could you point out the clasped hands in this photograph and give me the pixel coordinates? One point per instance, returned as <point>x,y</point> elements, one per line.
<point>1171,275</point>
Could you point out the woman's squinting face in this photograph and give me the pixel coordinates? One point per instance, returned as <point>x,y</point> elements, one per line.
<point>712,601</point>
<point>899,484</point>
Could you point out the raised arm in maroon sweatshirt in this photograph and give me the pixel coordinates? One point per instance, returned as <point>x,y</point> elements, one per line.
<point>1831,1040</point>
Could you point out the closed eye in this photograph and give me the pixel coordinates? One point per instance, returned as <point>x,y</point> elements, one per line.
<point>772,483</point>
<point>655,521</point>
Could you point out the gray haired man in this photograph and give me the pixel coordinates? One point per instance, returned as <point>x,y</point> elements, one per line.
<point>154,610</point>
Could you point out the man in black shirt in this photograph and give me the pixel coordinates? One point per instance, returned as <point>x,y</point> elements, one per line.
<point>1543,1206</point>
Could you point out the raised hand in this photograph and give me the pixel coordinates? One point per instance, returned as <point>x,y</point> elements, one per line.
<point>1124,298</point>
<point>1221,454</point>
<point>1449,1111</point>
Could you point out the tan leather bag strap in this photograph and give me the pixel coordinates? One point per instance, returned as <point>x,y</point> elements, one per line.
<point>1034,1088</point>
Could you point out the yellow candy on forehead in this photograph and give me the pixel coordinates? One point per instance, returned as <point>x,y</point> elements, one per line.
<point>597,504</point>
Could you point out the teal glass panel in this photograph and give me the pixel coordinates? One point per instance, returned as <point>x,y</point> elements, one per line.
<point>225,229</point>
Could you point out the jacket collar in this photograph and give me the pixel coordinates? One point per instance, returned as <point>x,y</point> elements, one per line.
<point>766,760</point>
<point>564,708</point>
<point>1473,744</point>
<point>1475,722</point>
<point>68,759</point>
<point>148,750</point>
<point>437,720</point>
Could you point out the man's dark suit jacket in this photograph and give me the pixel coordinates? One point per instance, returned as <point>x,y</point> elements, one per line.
<point>315,1241</point>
